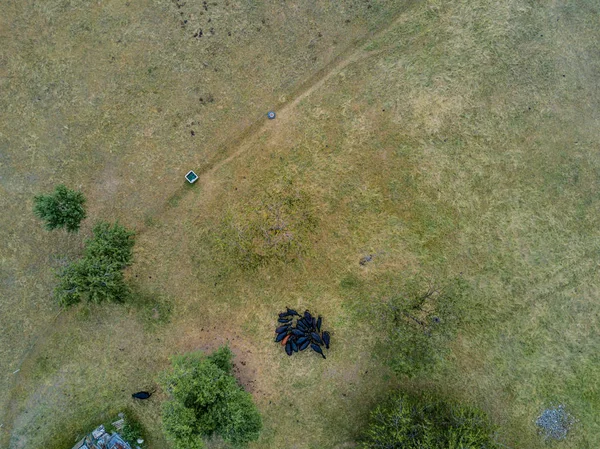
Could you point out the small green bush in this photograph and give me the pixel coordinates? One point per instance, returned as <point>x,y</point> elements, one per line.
<point>207,401</point>
<point>424,422</point>
<point>132,430</point>
<point>61,209</point>
<point>98,276</point>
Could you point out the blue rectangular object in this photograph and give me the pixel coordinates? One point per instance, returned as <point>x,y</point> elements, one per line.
<point>191,177</point>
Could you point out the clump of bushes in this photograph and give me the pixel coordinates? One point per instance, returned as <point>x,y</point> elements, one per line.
<point>98,276</point>
<point>62,208</point>
<point>426,422</point>
<point>206,401</point>
<point>419,323</point>
<point>276,228</point>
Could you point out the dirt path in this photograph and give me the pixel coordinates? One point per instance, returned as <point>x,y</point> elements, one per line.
<point>232,149</point>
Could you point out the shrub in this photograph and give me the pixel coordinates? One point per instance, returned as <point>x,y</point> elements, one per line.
<point>207,401</point>
<point>98,276</point>
<point>424,422</point>
<point>132,430</point>
<point>61,209</point>
<point>419,323</point>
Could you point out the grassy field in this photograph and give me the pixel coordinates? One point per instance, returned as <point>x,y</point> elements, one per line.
<point>447,138</point>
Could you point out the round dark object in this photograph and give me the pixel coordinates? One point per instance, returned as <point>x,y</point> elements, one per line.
<point>271,115</point>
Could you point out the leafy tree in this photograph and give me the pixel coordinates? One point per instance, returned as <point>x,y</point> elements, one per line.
<point>419,323</point>
<point>111,243</point>
<point>61,209</point>
<point>98,276</point>
<point>206,401</point>
<point>424,422</point>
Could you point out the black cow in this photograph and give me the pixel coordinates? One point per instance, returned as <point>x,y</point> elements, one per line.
<point>280,337</point>
<point>141,395</point>
<point>281,329</point>
<point>316,338</point>
<point>302,340</point>
<point>326,339</point>
<point>319,322</point>
<point>317,349</point>
<point>292,312</point>
<point>301,325</point>
<point>302,346</point>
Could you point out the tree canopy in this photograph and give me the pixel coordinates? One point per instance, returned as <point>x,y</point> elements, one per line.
<point>98,276</point>
<point>425,422</point>
<point>62,208</point>
<point>207,401</point>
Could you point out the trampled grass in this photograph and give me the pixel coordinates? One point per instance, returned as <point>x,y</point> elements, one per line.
<point>460,142</point>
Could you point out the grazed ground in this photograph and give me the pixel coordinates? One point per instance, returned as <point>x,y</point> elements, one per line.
<point>462,139</point>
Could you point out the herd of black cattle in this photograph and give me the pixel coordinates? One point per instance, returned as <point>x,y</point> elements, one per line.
<point>297,332</point>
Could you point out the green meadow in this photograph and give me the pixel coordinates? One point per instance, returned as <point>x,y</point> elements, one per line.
<point>456,142</point>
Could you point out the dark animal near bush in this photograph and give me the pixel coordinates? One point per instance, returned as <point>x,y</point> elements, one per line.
<point>307,316</point>
<point>292,312</point>
<point>317,349</point>
<point>294,346</point>
<point>141,395</point>
<point>326,339</point>
<point>298,332</point>
<point>319,321</point>
<point>284,320</point>
<point>288,348</point>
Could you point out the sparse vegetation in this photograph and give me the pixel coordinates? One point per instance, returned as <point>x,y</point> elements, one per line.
<point>64,208</point>
<point>98,276</point>
<point>419,324</point>
<point>206,401</point>
<point>276,228</point>
<point>425,422</point>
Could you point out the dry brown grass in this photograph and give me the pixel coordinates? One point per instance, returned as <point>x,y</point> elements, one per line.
<point>450,143</point>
